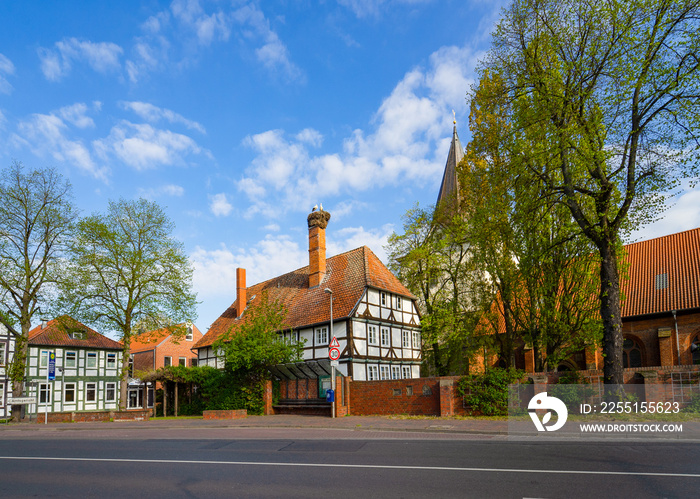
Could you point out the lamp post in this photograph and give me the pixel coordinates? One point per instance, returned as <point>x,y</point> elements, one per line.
<point>328,290</point>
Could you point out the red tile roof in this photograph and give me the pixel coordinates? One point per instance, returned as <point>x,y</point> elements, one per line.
<point>151,339</point>
<point>674,261</point>
<point>56,333</point>
<point>347,275</point>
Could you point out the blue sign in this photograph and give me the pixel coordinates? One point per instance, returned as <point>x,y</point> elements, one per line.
<point>330,396</point>
<point>52,366</point>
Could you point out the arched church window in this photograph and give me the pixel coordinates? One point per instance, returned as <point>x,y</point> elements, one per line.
<point>695,349</point>
<point>631,353</point>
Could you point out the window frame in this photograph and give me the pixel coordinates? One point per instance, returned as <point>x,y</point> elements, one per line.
<point>398,303</point>
<point>45,390</point>
<point>44,358</point>
<point>111,362</point>
<point>91,356</point>
<point>405,339</point>
<point>382,298</point>
<point>385,334</point>
<point>372,335</point>
<point>3,353</point>
<point>404,370</point>
<point>372,373</point>
<point>91,389</point>
<point>2,394</point>
<point>111,386</point>
<point>384,372</point>
<point>74,359</point>
<point>66,391</point>
<point>167,361</point>
<point>182,361</point>
<point>415,339</point>
<point>189,336</point>
<point>321,336</point>
<point>395,372</point>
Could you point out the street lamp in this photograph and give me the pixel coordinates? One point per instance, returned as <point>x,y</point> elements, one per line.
<point>328,290</point>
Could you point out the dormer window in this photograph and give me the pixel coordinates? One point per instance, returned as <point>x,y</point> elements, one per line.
<point>77,335</point>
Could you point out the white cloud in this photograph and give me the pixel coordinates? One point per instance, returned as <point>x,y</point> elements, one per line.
<point>215,270</point>
<point>409,142</point>
<point>219,205</point>
<point>354,237</point>
<point>372,8</point>
<point>153,114</point>
<point>683,214</point>
<point>144,147</point>
<point>164,190</point>
<point>56,63</point>
<point>6,68</point>
<point>273,53</point>
<point>206,27</point>
<point>48,135</point>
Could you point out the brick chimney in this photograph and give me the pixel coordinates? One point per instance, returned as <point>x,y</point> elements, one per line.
<point>240,292</point>
<point>317,221</point>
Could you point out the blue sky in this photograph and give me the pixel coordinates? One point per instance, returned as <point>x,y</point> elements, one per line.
<point>238,117</point>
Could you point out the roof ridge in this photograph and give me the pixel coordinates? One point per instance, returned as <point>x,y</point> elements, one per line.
<point>675,234</point>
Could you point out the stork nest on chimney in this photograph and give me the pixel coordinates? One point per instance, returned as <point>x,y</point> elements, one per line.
<point>318,219</point>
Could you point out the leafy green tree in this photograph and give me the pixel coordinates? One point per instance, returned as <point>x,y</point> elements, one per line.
<point>537,278</point>
<point>127,269</point>
<point>36,221</point>
<point>255,344</point>
<point>605,99</point>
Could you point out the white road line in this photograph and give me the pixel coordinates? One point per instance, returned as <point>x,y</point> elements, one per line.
<point>356,466</point>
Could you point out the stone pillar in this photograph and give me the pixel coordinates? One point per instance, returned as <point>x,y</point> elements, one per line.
<point>267,399</point>
<point>529,359</point>
<point>446,398</point>
<point>666,346</point>
<point>653,390</point>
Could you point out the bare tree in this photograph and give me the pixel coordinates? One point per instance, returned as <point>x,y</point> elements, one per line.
<point>36,220</point>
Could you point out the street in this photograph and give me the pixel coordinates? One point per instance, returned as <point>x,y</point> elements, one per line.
<point>267,462</point>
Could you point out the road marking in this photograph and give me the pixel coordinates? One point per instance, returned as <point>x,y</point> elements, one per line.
<point>356,466</point>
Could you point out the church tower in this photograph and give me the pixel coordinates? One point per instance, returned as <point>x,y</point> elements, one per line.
<point>449,188</point>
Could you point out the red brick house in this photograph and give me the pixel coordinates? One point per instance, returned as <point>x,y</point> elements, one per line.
<point>155,349</point>
<point>375,317</point>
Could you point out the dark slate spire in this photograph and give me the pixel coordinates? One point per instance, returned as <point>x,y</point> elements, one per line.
<point>449,188</point>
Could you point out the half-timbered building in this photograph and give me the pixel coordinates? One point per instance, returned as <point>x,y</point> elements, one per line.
<point>7,350</point>
<point>375,317</point>
<point>87,368</point>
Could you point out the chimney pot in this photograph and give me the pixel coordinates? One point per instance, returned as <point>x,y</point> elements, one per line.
<point>241,298</point>
<point>317,222</point>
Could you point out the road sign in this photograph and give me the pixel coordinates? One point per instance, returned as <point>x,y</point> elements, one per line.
<point>334,353</point>
<point>335,363</point>
<point>22,400</point>
<point>334,343</point>
<point>52,366</point>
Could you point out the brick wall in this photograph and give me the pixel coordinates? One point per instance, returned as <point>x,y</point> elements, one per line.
<point>93,416</point>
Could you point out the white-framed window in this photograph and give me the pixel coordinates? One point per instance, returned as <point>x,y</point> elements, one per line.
<point>416,339</point>
<point>384,372</point>
<point>372,373</point>
<point>69,392</point>
<point>372,338</point>
<point>398,303</point>
<point>405,339</point>
<point>110,392</point>
<point>44,358</point>
<point>44,393</point>
<point>386,337</point>
<point>168,361</point>
<point>395,372</point>
<point>71,359</point>
<point>111,360</point>
<point>78,335</point>
<point>406,372</point>
<point>190,335</point>
<point>182,361</point>
<point>382,298</point>
<point>90,392</point>
<point>2,394</point>
<point>92,359</point>
<point>3,349</point>
<point>321,335</point>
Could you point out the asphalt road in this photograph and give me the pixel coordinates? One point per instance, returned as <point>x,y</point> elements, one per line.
<point>240,464</point>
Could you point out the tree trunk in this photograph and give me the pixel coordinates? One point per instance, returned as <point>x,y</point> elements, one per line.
<point>610,312</point>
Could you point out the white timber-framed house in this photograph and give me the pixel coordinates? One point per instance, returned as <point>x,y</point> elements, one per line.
<point>7,350</point>
<point>375,318</point>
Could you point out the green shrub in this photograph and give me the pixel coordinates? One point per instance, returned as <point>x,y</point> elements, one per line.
<point>487,393</point>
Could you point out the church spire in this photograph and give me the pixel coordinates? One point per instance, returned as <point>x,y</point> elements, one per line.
<point>449,188</point>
